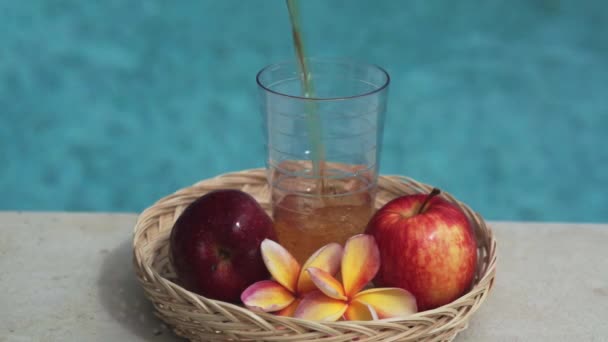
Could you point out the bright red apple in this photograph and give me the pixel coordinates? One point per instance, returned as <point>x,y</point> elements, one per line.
<point>426,246</point>
<point>215,244</point>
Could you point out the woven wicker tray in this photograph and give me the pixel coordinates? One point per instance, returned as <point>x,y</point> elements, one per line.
<point>201,319</point>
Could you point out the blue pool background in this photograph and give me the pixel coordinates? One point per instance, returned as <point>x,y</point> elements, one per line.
<point>109,105</point>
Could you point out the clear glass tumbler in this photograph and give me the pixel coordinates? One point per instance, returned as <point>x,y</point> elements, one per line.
<point>323,149</point>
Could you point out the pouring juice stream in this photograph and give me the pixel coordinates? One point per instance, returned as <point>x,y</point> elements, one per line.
<point>310,212</point>
<point>312,114</point>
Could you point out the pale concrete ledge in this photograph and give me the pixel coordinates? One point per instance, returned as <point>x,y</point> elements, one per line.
<point>68,277</point>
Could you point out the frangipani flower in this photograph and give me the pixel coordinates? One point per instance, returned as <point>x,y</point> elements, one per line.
<point>283,294</point>
<point>360,263</point>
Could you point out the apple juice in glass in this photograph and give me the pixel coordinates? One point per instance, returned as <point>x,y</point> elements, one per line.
<point>322,150</point>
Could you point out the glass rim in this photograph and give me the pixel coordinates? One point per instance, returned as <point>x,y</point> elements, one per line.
<point>387,77</point>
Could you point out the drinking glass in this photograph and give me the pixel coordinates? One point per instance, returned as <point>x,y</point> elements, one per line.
<point>323,149</point>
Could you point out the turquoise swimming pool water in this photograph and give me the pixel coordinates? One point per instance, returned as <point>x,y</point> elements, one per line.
<point>109,105</point>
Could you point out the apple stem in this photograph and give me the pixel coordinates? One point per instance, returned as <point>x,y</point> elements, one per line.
<point>224,254</point>
<point>433,193</point>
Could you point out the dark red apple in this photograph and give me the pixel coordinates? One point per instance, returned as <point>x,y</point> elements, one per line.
<point>426,246</point>
<point>215,244</point>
